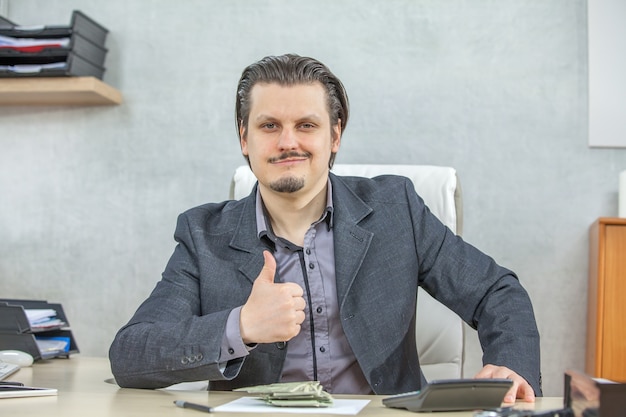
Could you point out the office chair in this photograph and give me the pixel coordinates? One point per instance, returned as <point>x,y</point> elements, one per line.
<point>439,331</point>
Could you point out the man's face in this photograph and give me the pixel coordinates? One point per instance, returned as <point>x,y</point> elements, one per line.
<point>289,139</point>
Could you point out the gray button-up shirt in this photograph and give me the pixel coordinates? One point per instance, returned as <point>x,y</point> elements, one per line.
<point>320,351</point>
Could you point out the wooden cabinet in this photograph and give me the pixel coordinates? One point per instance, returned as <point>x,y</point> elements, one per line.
<point>606,319</point>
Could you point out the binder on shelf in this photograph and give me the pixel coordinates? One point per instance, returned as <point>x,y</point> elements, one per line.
<point>74,50</point>
<point>17,332</point>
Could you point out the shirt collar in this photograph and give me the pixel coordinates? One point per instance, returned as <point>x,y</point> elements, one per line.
<point>264,228</point>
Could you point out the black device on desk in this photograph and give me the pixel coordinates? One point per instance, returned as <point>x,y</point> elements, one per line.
<point>453,395</point>
<point>19,390</point>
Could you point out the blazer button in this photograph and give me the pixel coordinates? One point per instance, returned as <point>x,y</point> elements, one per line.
<point>231,350</point>
<point>281,345</point>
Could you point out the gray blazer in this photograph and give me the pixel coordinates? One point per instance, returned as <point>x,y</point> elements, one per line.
<point>386,244</point>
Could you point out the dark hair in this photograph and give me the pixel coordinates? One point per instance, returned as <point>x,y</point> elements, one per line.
<point>287,70</point>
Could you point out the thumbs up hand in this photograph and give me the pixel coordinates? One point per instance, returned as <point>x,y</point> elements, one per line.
<point>273,311</point>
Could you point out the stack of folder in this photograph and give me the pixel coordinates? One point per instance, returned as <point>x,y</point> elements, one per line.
<point>35,327</point>
<point>53,51</point>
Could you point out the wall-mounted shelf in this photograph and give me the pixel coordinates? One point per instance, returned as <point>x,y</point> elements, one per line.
<point>62,91</point>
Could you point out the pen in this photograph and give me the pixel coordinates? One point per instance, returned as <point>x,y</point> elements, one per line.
<point>198,407</point>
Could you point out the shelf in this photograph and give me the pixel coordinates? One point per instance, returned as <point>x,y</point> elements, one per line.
<point>62,91</point>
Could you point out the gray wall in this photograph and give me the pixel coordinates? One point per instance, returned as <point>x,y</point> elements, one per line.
<point>495,88</point>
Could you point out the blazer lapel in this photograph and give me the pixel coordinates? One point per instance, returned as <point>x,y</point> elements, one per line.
<point>246,240</point>
<point>351,240</point>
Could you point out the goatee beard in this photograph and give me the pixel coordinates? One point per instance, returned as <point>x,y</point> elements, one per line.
<point>287,185</point>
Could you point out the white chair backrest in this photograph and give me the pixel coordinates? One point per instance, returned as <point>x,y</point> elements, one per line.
<point>439,331</point>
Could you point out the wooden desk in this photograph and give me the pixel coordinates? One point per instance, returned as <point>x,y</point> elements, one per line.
<point>84,392</point>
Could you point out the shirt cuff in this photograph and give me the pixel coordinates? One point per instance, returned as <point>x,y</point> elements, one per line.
<point>232,344</point>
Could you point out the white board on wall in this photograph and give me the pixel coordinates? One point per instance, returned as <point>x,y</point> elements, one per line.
<point>607,72</point>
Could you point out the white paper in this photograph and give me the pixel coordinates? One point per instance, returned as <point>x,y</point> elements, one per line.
<point>189,386</point>
<point>255,405</point>
<point>22,42</point>
<point>36,315</point>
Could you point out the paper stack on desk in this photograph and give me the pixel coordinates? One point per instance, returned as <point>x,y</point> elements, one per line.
<point>43,318</point>
<point>36,327</point>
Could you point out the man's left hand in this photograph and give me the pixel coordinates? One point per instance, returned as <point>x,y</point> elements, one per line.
<point>520,389</point>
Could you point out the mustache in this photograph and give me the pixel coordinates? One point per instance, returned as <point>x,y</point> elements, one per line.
<point>287,155</point>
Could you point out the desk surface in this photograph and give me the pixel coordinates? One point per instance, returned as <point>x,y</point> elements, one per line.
<point>83,391</point>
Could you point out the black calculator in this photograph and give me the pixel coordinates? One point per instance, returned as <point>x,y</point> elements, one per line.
<point>453,395</point>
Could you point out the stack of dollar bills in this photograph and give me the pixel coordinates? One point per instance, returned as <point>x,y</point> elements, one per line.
<point>292,394</point>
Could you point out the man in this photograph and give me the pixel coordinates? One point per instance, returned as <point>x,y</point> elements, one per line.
<point>314,276</point>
